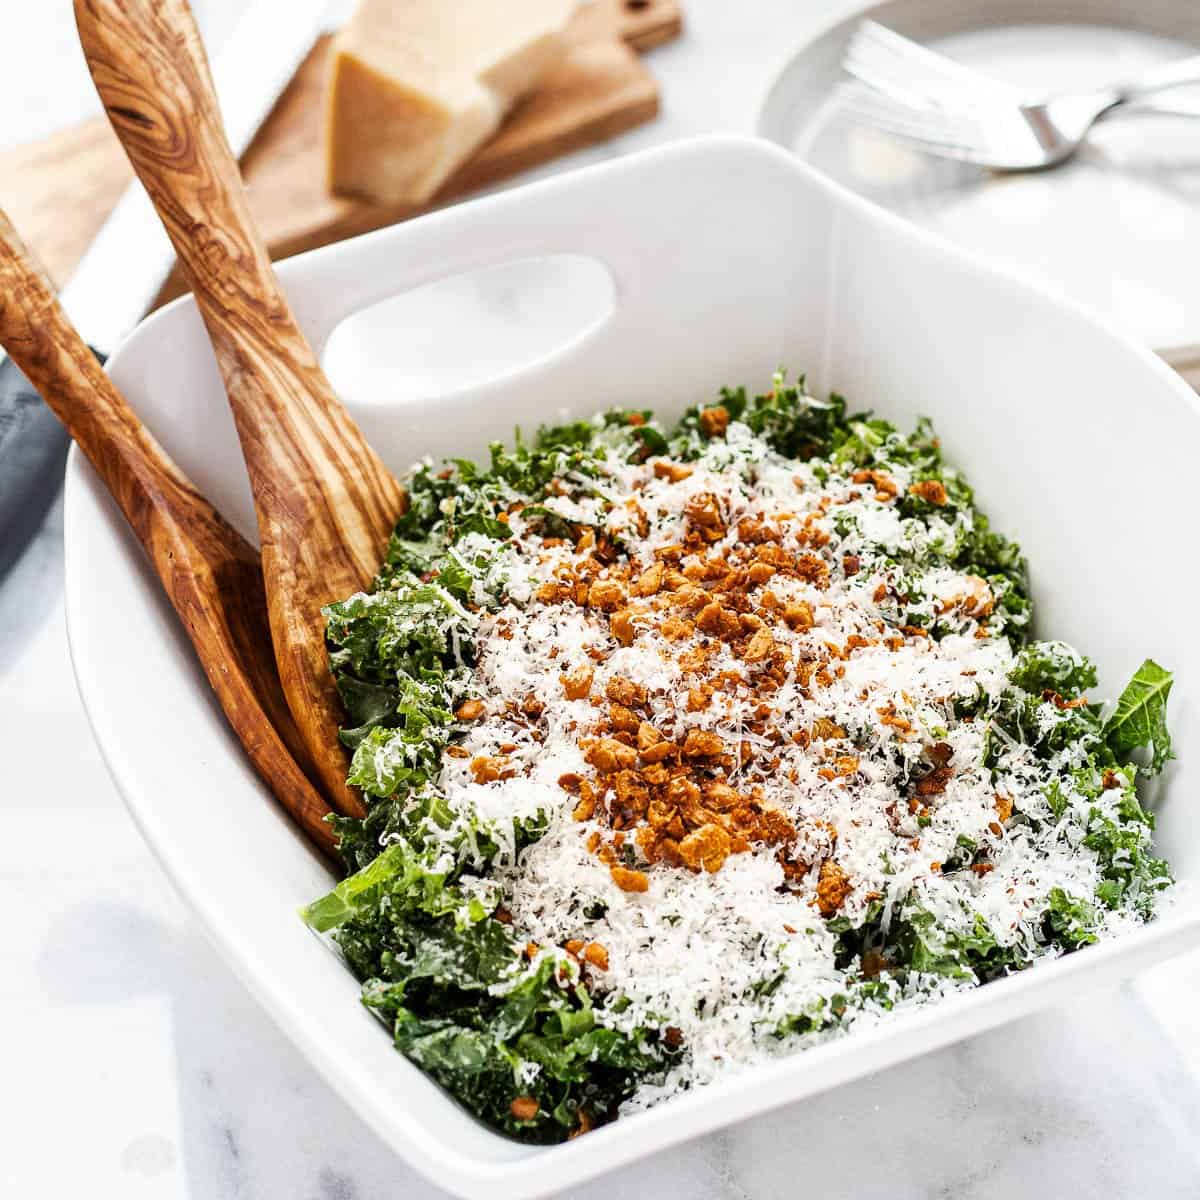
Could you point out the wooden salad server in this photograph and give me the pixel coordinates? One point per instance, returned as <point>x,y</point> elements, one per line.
<point>210,573</point>
<point>326,504</point>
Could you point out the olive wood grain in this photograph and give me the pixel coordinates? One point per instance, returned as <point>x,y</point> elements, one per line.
<point>325,503</point>
<point>209,572</point>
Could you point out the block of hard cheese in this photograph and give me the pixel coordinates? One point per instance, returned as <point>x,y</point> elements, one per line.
<point>415,86</point>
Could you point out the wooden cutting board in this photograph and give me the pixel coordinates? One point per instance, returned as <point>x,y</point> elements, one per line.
<point>59,191</point>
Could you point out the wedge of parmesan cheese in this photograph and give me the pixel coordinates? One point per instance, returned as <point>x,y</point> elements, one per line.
<point>415,86</point>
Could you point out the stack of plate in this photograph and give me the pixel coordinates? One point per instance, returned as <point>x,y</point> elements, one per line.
<point>1116,229</point>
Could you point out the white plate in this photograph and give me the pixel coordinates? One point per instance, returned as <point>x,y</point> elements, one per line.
<point>1107,228</point>
<point>728,258</point>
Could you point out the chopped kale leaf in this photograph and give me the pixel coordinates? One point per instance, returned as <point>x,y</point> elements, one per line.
<point>1140,718</point>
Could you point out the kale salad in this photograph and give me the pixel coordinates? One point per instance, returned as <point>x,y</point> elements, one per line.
<point>689,747</point>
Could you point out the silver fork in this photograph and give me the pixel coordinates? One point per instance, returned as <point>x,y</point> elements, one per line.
<point>952,111</point>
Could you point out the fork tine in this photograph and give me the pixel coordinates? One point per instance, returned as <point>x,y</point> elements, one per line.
<point>916,56</point>
<point>886,82</point>
<point>930,64</point>
<point>930,125</point>
<point>962,142</point>
<point>915,128</point>
<point>874,63</point>
<point>894,64</point>
<point>946,108</point>
<point>970,155</point>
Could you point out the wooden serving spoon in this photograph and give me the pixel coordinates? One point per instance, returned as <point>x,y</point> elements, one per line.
<point>210,573</point>
<point>326,504</point>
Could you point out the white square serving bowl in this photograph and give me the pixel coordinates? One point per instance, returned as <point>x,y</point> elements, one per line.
<point>728,259</point>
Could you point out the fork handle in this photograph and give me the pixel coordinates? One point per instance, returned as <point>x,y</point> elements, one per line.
<point>1180,73</point>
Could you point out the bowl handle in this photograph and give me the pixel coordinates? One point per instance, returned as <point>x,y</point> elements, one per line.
<point>556,217</point>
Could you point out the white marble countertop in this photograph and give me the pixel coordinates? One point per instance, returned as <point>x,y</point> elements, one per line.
<point>136,1066</point>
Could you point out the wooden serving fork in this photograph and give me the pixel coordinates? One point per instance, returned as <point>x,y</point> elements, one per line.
<point>210,573</point>
<point>326,504</point>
